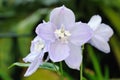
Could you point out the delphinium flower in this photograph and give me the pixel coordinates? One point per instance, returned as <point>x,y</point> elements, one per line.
<point>101,35</point>
<point>37,51</point>
<point>64,37</point>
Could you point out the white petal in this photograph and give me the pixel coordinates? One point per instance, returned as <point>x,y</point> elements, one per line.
<point>37,43</point>
<point>104,31</point>
<point>33,66</point>
<point>62,15</point>
<point>94,22</point>
<point>100,44</point>
<point>30,57</point>
<point>80,34</point>
<point>75,58</point>
<point>33,52</point>
<point>58,51</point>
<point>46,31</point>
<point>38,60</point>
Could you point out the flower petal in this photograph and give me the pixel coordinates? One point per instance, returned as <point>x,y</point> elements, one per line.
<point>62,16</point>
<point>33,66</point>
<point>46,31</point>
<point>94,22</point>
<point>58,51</point>
<point>30,57</point>
<point>35,49</point>
<point>100,43</point>
<point>80,34</point>
<point>104,31</point>
<point>37,45</point>
<point>75,58</point>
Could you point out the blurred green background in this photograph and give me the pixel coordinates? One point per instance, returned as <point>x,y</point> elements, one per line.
<point>19,18</point>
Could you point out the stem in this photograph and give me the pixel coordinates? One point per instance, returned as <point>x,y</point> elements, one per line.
<point>81,67</point>
<point>61,70</point>
<point>81,72</point>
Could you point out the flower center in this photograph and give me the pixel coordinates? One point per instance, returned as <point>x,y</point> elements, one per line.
<point>62,34</point>
<point>38,46</point>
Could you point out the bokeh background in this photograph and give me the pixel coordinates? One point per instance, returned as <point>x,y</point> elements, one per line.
<point>19,18</point>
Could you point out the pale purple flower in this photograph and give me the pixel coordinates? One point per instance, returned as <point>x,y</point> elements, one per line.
<point>35,57</point>
<point>64,37</point>
<point>101,35</point>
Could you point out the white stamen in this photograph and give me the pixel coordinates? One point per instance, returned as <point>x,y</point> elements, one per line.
<point>39,45</point>
<point>62,34</point>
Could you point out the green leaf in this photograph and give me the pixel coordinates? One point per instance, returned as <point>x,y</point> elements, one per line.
<point>95,63</point>
<point>106,74</point>
<point>45,65</point>
<point>49,66</point>
<point>19,64</point>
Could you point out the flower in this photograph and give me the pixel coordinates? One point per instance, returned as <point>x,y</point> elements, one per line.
<point>102,34</point>
<point>64,37</point>
<point>35,57</point>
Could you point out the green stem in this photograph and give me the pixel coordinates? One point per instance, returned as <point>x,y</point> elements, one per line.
<point>81,72</point>
<point>81,67</point>
<point>61,70</point>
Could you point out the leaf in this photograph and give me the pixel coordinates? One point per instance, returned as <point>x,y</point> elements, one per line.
<point>19,64</point>
<point>45,65</point>
<point>106,77</point>
<point>49,66</point>
<point>95,63</point>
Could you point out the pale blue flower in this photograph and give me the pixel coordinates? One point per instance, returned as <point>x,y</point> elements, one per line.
<point>35,57</point>
<point>64,37</point>
<point>101,35</point>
